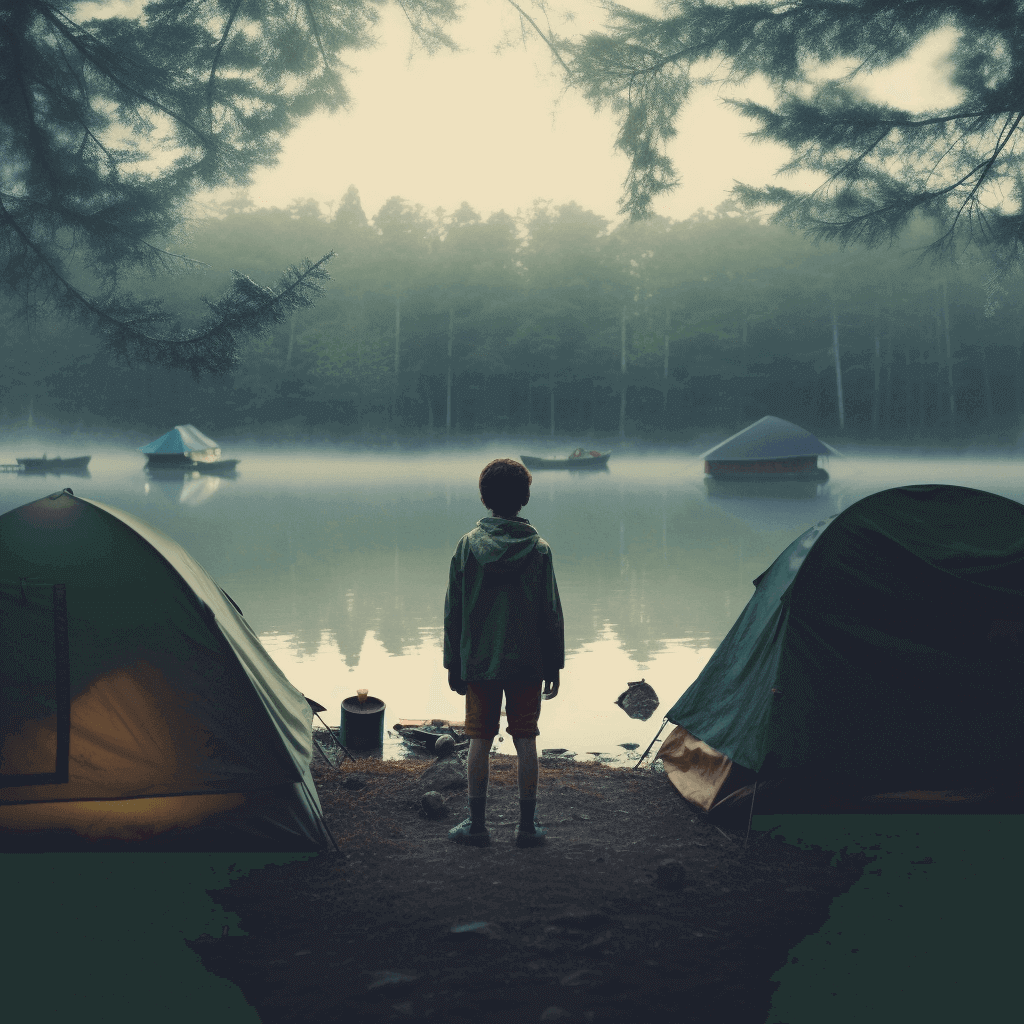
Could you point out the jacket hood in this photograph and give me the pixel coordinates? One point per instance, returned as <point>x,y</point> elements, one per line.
<point>503,545</point>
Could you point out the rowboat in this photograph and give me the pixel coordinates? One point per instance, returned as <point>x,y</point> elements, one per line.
<point>45,465</point>
<point>579,459</point>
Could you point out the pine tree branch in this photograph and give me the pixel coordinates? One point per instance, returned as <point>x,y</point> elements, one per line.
<point>547,42</point>
<point>216,57</point>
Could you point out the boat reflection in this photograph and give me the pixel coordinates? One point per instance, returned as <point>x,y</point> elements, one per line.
<point>81,474</point>
<point>182,486</point>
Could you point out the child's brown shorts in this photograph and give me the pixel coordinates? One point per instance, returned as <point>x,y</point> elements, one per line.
<point>483,708</point>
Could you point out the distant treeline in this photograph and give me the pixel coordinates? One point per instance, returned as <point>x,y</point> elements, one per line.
<point>552,321</point>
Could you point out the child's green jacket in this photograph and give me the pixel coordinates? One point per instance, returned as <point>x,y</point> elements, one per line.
<point>502,614</point>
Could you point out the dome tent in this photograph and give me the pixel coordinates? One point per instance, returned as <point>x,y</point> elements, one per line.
<point>771,448</point>
<point>181,444</point>
<point>877,666</point>
<point>138,710</point>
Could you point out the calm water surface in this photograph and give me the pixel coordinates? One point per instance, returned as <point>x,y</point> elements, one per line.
<point>338,555</point>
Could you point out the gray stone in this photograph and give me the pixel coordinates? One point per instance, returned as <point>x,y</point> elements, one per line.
<point>555,1013</point>
<point>433,805</point>
<point>446,773</point>
<point>444,746</point>
<point>474,930</point>
<point>670,874</point>
<point>583,920</point>
<point>391,979</point>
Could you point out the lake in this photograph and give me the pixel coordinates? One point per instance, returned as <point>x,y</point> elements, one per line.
<point>338,555</point>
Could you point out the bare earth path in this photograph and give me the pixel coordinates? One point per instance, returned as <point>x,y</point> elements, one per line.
<point>594,926</point>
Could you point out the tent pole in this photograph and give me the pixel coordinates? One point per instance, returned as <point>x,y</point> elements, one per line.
<point>750,817</point>
<point>649,745</point>
<point>323,820</point>
<point>323,752</point>
<point>337,739</point>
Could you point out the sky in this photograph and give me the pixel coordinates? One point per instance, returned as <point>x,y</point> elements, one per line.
<point>496,130</point>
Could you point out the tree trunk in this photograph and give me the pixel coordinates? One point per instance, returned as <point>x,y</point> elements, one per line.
<point>664,395</point>
<point>949,355</point>
<point>888,387</point>
<point>909,395</point>
<point>1018,390</point>
<point>398,329</point>
<point>987,383</point>
<point>876,404</point>
<point>839,370</point>
<point>448,399</point>
<point>291,341</point>
<point>552,390</point>
<point>622,402</point>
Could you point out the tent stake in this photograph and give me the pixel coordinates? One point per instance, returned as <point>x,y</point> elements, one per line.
<point>750,817</point>
<point>649,745</point>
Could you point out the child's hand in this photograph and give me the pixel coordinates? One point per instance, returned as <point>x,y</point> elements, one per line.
<point>550,690</point>
<point>455,683</point>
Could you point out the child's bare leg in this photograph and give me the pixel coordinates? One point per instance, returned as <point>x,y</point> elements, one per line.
<point>478,767</point>
<point>526,749</point>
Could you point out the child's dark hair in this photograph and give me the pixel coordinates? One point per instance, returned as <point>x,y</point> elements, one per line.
<point>505,485</point>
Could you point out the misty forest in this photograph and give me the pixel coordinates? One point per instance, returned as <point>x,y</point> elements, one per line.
<point>554,321</point>
<point>884,303</point>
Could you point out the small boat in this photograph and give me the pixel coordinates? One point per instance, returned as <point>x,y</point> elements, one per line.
<point>44,465</point>
<point>224,467</point>
<point>770,450</point>
<point>581,458</point>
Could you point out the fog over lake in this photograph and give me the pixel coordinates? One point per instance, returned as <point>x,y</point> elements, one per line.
<point>338,556</point>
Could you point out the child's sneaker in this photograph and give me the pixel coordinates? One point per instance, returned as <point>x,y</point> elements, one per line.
<point>530,838</point>
<point>465,834</point>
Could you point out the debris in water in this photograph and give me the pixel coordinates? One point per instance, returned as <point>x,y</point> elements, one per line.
<point>629,746</point>
<point>639,701</point>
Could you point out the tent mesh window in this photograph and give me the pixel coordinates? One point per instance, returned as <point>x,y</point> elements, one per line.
<point>35,684</point>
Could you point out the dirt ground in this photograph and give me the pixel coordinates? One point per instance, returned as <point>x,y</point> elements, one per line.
<point>636,910</point>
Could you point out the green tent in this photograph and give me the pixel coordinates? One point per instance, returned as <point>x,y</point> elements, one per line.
<point>138,709</point>
<point>878,664</point>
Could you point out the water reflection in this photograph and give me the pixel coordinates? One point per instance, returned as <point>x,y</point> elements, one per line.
<point>339,558</point>
<point>181,486</point>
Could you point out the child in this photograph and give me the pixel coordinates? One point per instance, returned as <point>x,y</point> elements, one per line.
<point>503,632</point>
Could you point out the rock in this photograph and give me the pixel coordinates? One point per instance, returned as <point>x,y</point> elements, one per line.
<point>555,1013</point>
<point>670,874</point>
<point>475,929</point>
<point>443,746</point>
<point>584,976</point>
<point>446,773</point>
<point>629,746</point>
<point>553,751</point>
<point>354,782</point>
<point>433,805</point>
<point>391,979</point>
<point>639,701</point>
<point>583,920</point>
